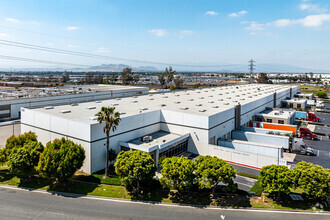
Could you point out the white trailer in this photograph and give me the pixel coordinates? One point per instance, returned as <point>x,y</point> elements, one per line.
<point>267,131</point>
<point>268,139</point>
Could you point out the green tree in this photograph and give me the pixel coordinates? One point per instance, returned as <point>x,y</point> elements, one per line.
<point>178,173</point>
<point>113,78</point>
<point>23,160</point>
<point>313,179</point>
<point>169,73</point>
<point>134,167</point>
<point>210,171</point>
<point>276,179</point>
<point>172,88</point>
<point>126,76</point>
<point>263,78</point>
<point>178,82</point>
<point>16,142</point>
<point>111,120</point>
<point>61,159</point>
<point>321,94</point>
<point>162,80</point>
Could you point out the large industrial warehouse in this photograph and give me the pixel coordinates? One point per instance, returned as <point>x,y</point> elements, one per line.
<point>12,100</point>
<point>163,124</point>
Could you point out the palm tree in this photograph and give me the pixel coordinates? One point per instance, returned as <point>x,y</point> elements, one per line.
<point>111,120</point>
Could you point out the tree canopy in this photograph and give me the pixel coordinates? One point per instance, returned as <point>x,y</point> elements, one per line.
<point>276,179</point>
<point>126,76</point>
<point>210,171</point>
<point>61,159</point>
<point>134,167</point>
<point>313,179</point>
<point>23,160</point>
<point>178,173</point>
<point>321,94</point>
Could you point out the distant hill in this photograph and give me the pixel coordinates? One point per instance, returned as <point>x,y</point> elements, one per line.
<point>99,68</point>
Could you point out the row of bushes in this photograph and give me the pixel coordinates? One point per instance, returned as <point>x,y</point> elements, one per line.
<point>25,156</point>
<point>178,173</point>
<point>313,179</point>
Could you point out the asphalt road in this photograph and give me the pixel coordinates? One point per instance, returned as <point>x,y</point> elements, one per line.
<point>322,150</point>
<point>244,183</point>
<point>16,204</point>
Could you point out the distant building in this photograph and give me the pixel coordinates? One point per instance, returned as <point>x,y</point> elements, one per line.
<point>11,101</point>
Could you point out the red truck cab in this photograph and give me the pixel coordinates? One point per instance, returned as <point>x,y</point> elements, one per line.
<point>306,133</point>
<point>312,117</point>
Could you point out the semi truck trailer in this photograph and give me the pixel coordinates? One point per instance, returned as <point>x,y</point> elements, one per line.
<point>288,143</point>
<point>307,116</point>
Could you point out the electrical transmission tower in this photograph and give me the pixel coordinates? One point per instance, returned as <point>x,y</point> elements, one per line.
<point>251,66</point>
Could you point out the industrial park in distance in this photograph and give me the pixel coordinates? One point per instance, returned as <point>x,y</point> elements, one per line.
<point>159,121</point>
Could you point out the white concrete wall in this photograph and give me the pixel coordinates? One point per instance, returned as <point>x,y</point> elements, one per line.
<point>244,158</point>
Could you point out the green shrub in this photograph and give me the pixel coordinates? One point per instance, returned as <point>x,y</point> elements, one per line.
<point>321,94</point>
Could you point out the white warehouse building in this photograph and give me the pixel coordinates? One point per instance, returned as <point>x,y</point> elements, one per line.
<point>162,124</point>
<point>12,100</point>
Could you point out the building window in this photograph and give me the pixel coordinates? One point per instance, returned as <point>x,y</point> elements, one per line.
<point>269,120</point>
<point>175,149</point>
<point>281,121</point>
<point>258,119</point>
<point>298,105</point>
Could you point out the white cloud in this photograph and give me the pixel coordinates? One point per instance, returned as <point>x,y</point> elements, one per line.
<point>254,26</point>
<point>12,20</point>
<point>4,35</point>
<point>158,32</point>
<point>72,28</point>
<point>308,21</point>
<point>102,50</point>
<point>313,8</point>
<point>185,33</point>
<point>213,13</point>
<point>238,14</point>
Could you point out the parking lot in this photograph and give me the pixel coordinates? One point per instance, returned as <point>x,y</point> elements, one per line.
<point>321,147</point>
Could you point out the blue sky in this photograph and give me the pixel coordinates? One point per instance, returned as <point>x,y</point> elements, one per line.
<point>219,32</point>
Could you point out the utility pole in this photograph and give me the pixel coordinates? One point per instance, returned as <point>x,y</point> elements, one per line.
<point>251,66</point>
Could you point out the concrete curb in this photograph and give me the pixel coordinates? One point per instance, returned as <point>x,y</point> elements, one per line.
<point>142,202</point>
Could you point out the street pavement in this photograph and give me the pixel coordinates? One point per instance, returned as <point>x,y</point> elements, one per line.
<point>22,204</point>
<point>244,183</point>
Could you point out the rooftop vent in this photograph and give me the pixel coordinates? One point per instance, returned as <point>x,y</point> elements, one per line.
<point>177,102</point>
<point>228,97</point>
<point>162,105</point>
<point>134,101</point>
<point>220,100</point>
<point>65,111</point>
<point>220,94</point>
<point>49,107</point>
<point>118,99</point>
<point>114,104</point>
<point>211,101</point>
<point>210,95</point>
<point>74,104</point>
<point>98,101</point>
<point>91,107</point>
<point>165,97</point>
<point>202,110</point>
<point>198,92</point>
<point>184,108</point>
<point>236,95</point>
<point>242,99</point>
<point>177,95</point>
<point>93,118</point>
<point>151,99</point>
<point>190,99</point>
<point>143,109</point>
<point>215,106</point>
<point>201,97</point>
<point>250,97</point>
<point>226,103</point>
<point>122,113</point>
<point>198,104</point>
<point>187,93</point>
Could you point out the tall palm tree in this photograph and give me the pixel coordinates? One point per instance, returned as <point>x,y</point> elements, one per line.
<point>111,120</point>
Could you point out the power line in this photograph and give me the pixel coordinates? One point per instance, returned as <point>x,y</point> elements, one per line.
<point>251,65</point>
<point>40,61</point>
<point>75,53</point>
